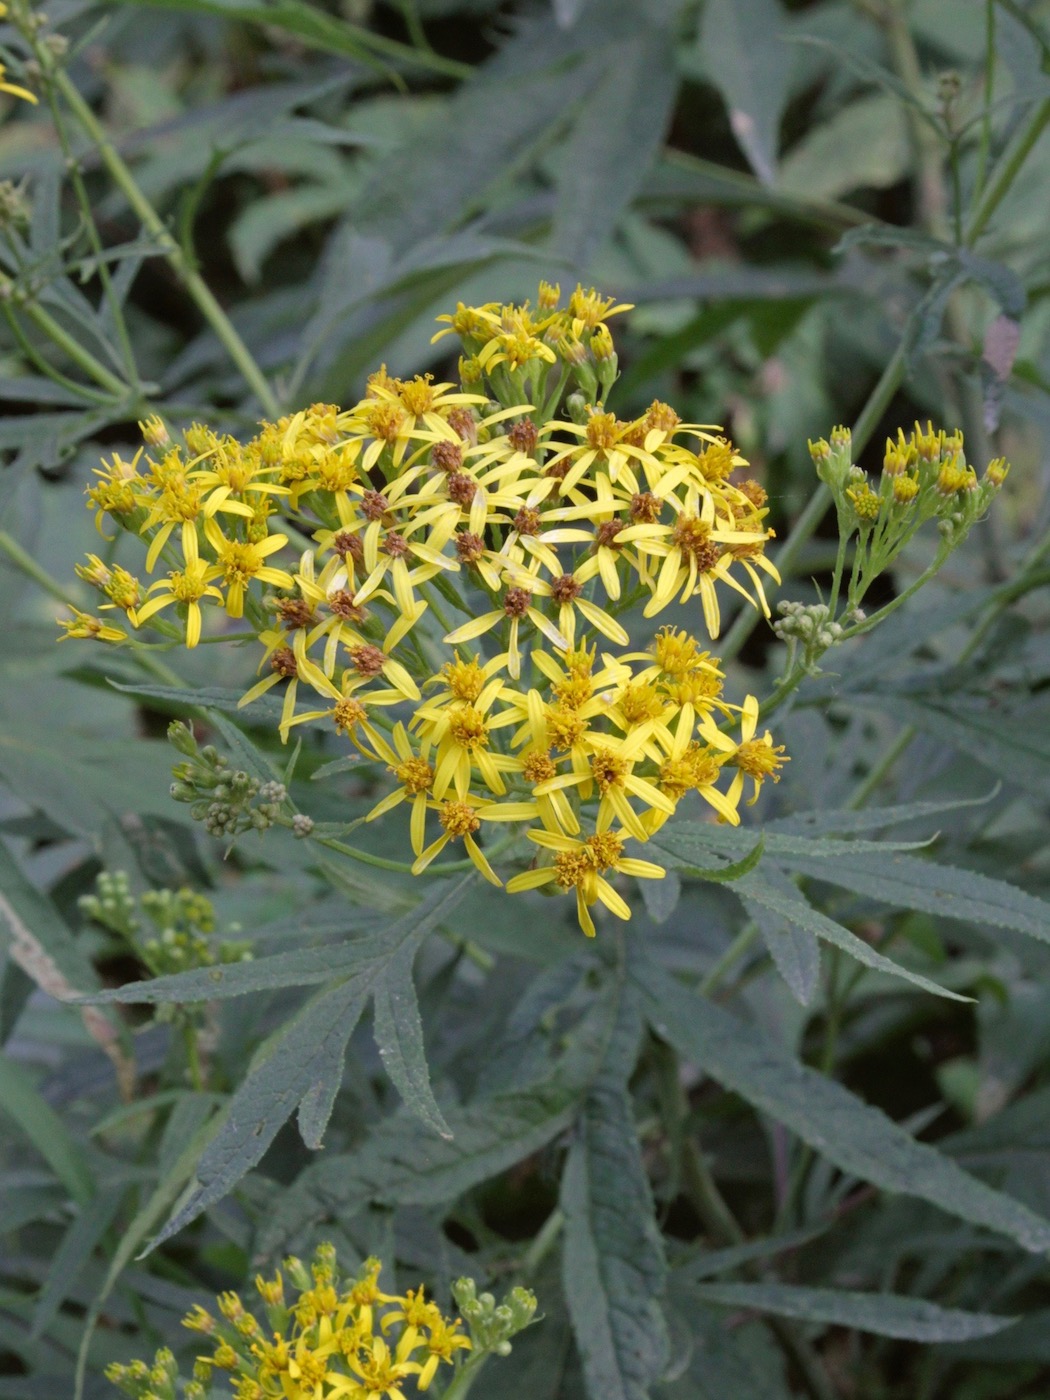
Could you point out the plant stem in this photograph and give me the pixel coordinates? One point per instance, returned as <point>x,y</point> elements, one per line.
<point>83,358</point>
<point>736,950</point>
<point>195,285</point>
<point>28,566</point>
<point>1010,164</point>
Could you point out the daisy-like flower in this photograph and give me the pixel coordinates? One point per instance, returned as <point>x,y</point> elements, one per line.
<point>415,777</point>
<point>605,447</point>
<point>184,588</point>
<point>609,769</point>
<point>390,551</point>
<point>693,555</point>
<point>461,817</point>
<point>566,593</point>
<point>581,865</point>
<point>239,562</point>
<point>755,758</point>
<point>462,734</point>
<point>517,606</point>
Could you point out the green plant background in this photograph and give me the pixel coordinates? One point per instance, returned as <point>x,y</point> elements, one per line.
<point>730,1163</point>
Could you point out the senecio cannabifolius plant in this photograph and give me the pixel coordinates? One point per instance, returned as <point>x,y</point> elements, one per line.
<point>439,573</point>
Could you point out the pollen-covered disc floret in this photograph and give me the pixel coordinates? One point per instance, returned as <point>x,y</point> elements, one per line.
<point>471,550</point>
<point>324,1335</point>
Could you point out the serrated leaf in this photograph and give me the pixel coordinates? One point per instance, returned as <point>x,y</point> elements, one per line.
<point>279,1079</point>
<point>885,1314</point>
<point>491,1133</point>
<point>792,946</point>
<point>613,1265</point>
<point>489,1136</point>
<point>907,882</point>
<point>300,1065</point>
<point>786,902</point>
<point>399,1035</point>
<point>365,956</point>
<point>180,700</point>
<point>846,821</point>
<point>744,55</point>
<point>614,141</point>
<point>855,1137</point>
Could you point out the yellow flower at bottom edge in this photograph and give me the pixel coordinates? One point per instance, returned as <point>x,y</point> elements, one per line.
<point>581,865</point>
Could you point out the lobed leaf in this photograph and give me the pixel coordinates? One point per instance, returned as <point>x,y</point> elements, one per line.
<point>857,1138</point>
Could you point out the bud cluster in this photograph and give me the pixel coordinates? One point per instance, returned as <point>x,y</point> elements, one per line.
<point>809,630</point>
<point>925,476</point>
<point>228,801</point>
<point>493,1324</point>
<point>183,925</point>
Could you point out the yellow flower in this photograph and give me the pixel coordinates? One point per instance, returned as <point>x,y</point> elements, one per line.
<point>83,626</point>
<point>517,606</point>
<point>239,562</point>
<point>756,758</point>
<point>581,866</point>
<point>415,776</point>
<point>461,817</point>
<point>186,588</point>
<point>14,89</point>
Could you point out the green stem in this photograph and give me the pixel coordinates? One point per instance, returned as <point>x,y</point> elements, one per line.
<point>28,566</point>
<point>805,526</point>
<point>1010,164</point>
<point>151,221</point>
<point>736,950</point>
<point>83,358</point>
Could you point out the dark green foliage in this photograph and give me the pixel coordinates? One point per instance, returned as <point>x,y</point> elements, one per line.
<point>785,1133</point>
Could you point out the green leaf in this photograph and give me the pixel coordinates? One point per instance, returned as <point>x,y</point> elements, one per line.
<point>613,1265</point>
<point>180,700</point>
<point>784,900</point>
<point>743,52</point>
<point>719,1261</point>
<point>863,146</point>
<point>1012,745</point>
<point>908,882</point>
<point>74,1251</point>
<point>793,947</point>
<point>682,834</point>
<point>365,956</point>
<point>885,1314</point>
<point>614,141</point>
<point>399,1035</point>
<point>317,28</point>
<point>281,1076</point>
<point>492,1132</point>
<point>857,1138</point>
<point>24,1105</point>
<point>301,1064</point>
<point>160,1200</point>
<point>846,821</point>
<point>489,1135</point>
<point>742,1364</point>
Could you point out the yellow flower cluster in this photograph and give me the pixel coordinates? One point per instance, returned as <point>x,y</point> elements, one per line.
<point>348,539</point>
<point>335,1339</point>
